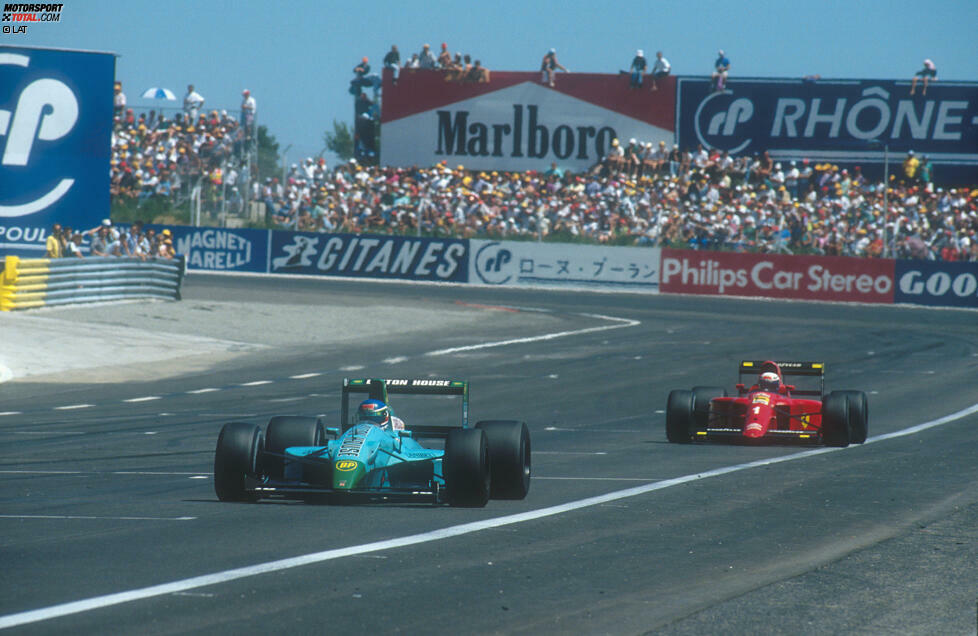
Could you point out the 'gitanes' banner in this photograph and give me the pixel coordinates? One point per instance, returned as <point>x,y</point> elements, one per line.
<point>370,256</point>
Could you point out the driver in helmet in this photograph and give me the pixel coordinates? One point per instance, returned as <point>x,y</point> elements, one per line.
<point>376,412</point>
<point>769,381</point>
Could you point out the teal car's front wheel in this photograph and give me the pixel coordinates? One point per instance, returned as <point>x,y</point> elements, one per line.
<point>466,467</point>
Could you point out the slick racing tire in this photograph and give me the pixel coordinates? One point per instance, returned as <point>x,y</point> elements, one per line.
<point>289,430</point>
<point>701,404</point>
<point>465,466</point>
<point>236,459</point>
<point>858,416</point>
<point>679,416</point>
<point>836,420</point>
<point>509,458</point>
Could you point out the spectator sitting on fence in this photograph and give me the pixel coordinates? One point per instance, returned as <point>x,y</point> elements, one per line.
<point>426,59</point>
<point>392,60</point>
<point>720,68</point>
<point>660,69</point>
<point>477,74</point>
<point>118,100</point>
<point>549,67</point>
<point>444,57</point>
<point>928,73</point>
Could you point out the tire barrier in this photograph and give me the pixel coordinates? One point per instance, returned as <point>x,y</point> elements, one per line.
<point>26,283</point>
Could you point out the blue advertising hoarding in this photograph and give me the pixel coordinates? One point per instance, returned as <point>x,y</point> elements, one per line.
<point>370,256</point>
<point>840,121</point>
<point>218,249</point>
<point>937,283</point>
<point>55,134</point>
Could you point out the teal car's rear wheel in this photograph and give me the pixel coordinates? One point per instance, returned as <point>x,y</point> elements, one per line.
<point>235,460</point>
<point>466,467</point>
<point>285,431</point>
<point>509,458</point>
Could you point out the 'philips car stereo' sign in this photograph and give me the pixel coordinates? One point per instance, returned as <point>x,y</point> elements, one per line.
<point>370,256</point>
<point>55,129</point>
<point>839,121</point>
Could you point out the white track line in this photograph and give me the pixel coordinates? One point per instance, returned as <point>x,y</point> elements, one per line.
<point>209,389</point>
<point>108,600</point>
<point>303,376</point>
<point>623,322</point>
<point>72,407</point>
<point>255,383</point>
<point>87,517</point>
<point>148,398</point>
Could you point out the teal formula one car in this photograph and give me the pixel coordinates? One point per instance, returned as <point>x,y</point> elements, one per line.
<point>364,460</point>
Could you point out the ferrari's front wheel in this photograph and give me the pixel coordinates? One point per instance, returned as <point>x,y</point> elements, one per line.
<point>465,466</point>
<point>679,416</point>
<point>858,416</point>
<point>836,430</point>
<point>235,460</point>
<point>509,458</point>
<point>702,396</point>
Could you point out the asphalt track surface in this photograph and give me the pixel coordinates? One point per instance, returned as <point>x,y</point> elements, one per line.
<point>109,522</point>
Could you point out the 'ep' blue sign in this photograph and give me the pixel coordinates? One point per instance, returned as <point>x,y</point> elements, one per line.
<point>55,136</point>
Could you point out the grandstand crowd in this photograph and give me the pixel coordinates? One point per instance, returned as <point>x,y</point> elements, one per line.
<point>639,194</point>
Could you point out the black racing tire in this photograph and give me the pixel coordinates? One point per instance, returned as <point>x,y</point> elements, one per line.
<point>509,458</point>
<point>236,458</point>
<point>284,431</point>
<point>679,416</point>
<point>858,416</point>
<point>465,467</point>
<point>836,429</point>
<point>701,404</point>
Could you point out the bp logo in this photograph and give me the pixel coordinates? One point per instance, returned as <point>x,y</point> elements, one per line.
<point>719,121</point>
<point>345,465</point>
<point>45,110</point>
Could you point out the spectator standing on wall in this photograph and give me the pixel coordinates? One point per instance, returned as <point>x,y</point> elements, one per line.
<point>444,57</point>
<point>929,72</point>
<point>660,69</point>
<point>549,66</point>
<point>393,61</point>
<point>910,166</point>
<point>118,100</point>
<point>927,173</point>
<point>720,68</point>
<point>248,109</point>
<point>53,244</point>
<point>192,103</point>
<point>639,64</point>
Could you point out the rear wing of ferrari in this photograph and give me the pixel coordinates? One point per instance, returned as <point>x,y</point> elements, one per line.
<point>380,389</point>
<point>788,369</point>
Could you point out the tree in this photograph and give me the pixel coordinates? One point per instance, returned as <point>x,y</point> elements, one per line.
<point>267,154</point>
<point>340,141</point>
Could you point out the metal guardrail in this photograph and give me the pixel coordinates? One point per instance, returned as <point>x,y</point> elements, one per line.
<point>26,283</point>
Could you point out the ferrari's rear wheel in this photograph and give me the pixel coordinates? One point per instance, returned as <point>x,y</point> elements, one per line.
<point>701,404</point>
<point>235,459</point>
<point>465,466</point>
<point>858,416</point>
<point>679,416</point>
<point>290,430</point>
<point>835,419</point>
<point>509,458</point>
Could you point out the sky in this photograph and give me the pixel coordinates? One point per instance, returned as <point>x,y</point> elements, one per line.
<point>297,56</point>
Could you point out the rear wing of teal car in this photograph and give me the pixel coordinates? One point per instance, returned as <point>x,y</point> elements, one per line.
<point>788,369</point>
<point>380,389</point>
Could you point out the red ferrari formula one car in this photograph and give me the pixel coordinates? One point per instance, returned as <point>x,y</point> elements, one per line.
<point>770,410</point>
